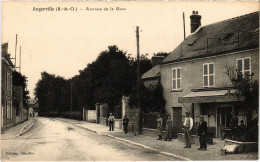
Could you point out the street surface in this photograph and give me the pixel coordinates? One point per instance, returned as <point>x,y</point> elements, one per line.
<point>52,139</point>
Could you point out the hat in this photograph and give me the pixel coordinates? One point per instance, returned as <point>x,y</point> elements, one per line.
<point>233,112</point>
<point>187,112</point>
<point>111,113</point>
<point>201,116</point>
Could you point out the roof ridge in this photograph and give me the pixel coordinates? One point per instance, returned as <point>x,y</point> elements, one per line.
<point>257,12</point>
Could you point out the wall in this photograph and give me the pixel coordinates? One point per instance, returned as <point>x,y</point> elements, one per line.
<point>192,76</point>
<point>132,114</point>
<point>91,115</point>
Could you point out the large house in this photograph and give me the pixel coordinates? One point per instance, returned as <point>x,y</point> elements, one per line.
<point>8,115</point>
<point>194,75</point>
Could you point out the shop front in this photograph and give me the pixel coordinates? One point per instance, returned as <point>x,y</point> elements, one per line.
<point>216,106</point>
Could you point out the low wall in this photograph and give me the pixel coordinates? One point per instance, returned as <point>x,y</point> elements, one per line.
<point>92,116</point>
<point>73,114</point>
<point>103,121</point>
<point>118,123</point>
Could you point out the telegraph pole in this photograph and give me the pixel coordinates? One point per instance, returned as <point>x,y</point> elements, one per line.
<point>20,60</point>
<point>71,98</point>
<point>140,119</point>
<point>15,51</point>
<point>184,25</point>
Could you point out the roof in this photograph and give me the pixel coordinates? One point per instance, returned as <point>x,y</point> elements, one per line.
<point>154,72</point>
<point>234,34</point>
<point>209,93</point>
<point>210,96</point>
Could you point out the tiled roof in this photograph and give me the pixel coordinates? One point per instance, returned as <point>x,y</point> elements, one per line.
<point>154,72</point>
<point>229,35</point>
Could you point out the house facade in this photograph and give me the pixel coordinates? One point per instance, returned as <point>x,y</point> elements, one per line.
<point>7,110</point>
<point>152,76</point>
<point>194,75</point>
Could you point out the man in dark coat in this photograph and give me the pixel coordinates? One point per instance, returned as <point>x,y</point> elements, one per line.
<point>234,125</point>
<point>125,124</point>
<point>202,132</point>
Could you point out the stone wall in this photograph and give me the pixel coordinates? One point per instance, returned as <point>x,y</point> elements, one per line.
<point>132,114</point>
<point>91,116</point>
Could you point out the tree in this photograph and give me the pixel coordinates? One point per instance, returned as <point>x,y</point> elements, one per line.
<point>151,98</point>
<point>247,90</point>
<point>49,91</point>
<point>20,80</point>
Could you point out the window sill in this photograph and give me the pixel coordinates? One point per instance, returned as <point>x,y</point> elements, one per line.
<point>177,90</point>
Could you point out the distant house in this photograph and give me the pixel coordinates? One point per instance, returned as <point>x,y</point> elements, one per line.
<point>193,75</point>
<point>152,76</point>
<point>33,107</point>
<point>7,110</point>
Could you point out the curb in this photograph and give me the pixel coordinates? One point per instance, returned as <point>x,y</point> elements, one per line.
<point>23,130</point>
<point>133,143</point>
<point>147,147</point>
<point>79,126</point>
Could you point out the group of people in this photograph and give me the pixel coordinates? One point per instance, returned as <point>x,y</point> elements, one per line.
<point>187,127</point>
<point>236,130</point>
<point>111,120</point>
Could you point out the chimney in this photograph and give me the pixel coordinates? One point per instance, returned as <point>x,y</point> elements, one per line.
<point>156,60</point>
<point>194,21</point>
<point>4,48</point>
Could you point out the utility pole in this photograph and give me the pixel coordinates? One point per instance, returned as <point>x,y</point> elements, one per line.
<point>184,25</point>
<point>140,115</point>
<point>20,60</point>
<point>71,98</point>
<point>15,51</point>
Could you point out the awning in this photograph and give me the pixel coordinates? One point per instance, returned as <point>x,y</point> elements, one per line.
<point>209,96</point>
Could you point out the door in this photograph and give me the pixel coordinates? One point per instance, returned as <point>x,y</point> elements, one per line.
<point>177,121</point>
<point>223,118</point>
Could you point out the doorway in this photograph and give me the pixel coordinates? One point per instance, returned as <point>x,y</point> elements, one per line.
<point>177,119</point>
<point>223,118</point>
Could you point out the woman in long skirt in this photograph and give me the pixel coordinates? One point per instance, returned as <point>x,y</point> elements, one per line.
<point>159,127</point>
<point>169,126</point>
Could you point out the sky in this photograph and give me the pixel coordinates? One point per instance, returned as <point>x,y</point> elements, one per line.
<point>64,42</point>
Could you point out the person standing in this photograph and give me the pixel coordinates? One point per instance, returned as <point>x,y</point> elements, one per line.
<point>234,125</point>
<point>169,126</point>
<point>125,124</point>
<point>202,133</point>
<point>188,124</point>
<point>111,120</point>
<point>159,127</point>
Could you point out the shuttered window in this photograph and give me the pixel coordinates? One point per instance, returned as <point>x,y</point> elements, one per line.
<point>176,78</point>
<point>208,75</point>
<point>244,67</point>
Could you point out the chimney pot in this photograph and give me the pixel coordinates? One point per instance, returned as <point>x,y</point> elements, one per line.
<point>195,21</point>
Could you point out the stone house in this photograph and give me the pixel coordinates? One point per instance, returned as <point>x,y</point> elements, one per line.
<point>194,75</point>
<point>7,110</point>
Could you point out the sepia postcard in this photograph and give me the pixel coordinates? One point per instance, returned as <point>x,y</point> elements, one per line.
<point>129,81</point>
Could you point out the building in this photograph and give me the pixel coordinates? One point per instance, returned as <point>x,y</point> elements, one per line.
<point>193,76</point>
<point>7,110</point>
<point>152,76</point>
<point>33,107</point>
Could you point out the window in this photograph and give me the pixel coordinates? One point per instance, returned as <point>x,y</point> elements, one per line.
<point>8,80</point>
<point>208,75</point>
<point>244,66</point>
<point>176,78</point>
<point>9,109</point>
